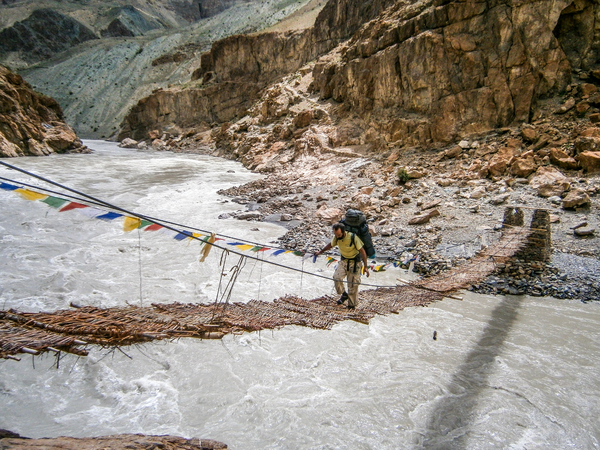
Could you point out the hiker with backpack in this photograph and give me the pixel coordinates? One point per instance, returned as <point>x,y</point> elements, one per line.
<point>354,259</point>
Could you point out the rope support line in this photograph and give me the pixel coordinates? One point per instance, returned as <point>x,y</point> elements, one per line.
<point>164,224</point>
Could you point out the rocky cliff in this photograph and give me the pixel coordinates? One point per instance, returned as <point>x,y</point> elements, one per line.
<point>441,69</point>
<point>235,70</point>
<point>410,74</point>
<point>31,123</point>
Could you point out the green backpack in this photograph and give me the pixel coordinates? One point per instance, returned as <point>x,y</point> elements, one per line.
<point>356,223</point>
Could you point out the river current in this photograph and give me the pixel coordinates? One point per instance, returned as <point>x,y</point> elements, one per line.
<point>504,372</point>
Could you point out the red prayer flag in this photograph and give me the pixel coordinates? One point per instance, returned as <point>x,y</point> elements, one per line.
<point>72,205</point>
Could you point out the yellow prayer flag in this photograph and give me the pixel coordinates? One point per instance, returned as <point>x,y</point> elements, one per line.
<point>206,249</point>
<point>31,195</point>
<point>131,223</point>
<point>245,247</point>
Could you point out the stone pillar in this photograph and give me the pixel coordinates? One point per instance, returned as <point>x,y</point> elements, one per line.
<point>513,217</point>
<point>539,245</point>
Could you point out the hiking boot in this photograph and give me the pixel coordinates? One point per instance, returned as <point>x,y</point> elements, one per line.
<point>343,298</point>
<point>351,307</point>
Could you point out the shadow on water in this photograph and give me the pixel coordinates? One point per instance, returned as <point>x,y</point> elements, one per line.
<point>448,424</point>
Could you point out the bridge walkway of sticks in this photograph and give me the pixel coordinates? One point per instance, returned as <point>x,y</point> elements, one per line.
<point>73,330</point>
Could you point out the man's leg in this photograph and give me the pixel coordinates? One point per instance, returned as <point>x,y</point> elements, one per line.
<point>338,278</point>
<point>353,284</point>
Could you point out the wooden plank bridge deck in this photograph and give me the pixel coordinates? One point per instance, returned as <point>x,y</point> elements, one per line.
<point>74,330</point>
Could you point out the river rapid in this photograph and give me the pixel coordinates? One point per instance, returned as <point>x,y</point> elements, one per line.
<point>504,372</point>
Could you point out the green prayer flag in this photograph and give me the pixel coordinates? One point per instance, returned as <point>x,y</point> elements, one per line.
<point>55,202</point>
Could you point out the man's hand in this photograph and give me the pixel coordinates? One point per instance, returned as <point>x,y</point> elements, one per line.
<point>366,268</point>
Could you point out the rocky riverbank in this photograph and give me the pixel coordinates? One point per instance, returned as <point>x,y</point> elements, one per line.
<point>10,440</point>
<point>437,203</point>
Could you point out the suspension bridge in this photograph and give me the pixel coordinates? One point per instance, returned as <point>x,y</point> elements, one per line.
<point>75,330</point>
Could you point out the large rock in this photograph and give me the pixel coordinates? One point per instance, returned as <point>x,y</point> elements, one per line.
<point>330,215</point>
<point>523,167</point>
<point>576,198</point>
<point>128,143</point>
<point>590,161</point>
<point>501,161</point>
<point>549,181</point>
<point>423,218</point>
<point>559,158</point>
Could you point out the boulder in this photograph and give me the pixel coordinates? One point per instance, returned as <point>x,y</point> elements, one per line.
<point>423,218</point>
<point>590,161</point>
<point>128,143</point>
<point>303,119</point>
<point>61,138</point>
<point>414,173</point>
<point>567,106</point>
<point>529,135</point>
<point>499,199</point>
<point>330,215</point>
<point>581,108</point>
<point>559,158</point>
<point>587,144</point>
<point>154,134</point>
<point>549,181</point>
<point>478,192</point>
<point>587,89</point>
<point>584,231</point>
<point>577,198</point>
<point>523,167</point>
<point>501,160</point>
<point>431,204</point>
<point>249,215</point>
<point>453,152</point>
<point>8,149</point>
<point>367,190</point>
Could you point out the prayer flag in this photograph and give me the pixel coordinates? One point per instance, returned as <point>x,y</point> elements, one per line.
<point>153,227</point>
<point>30,195</point>
<point>144,223</point>
<point>109,216</point>
<point>182,235</point>
<point>54,202</point>
<point>91,212</point>
<point>8,187</point>
<point>131,223</point>
<point>72,205</point>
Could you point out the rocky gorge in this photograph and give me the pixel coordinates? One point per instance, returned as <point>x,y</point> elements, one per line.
<point>431,118</point>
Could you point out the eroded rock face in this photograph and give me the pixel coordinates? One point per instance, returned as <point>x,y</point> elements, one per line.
<point>31,123</point>
<point>233,73</point>
<point>457,68</point>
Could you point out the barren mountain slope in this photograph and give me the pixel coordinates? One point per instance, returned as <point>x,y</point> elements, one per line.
<point>98,81</point>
